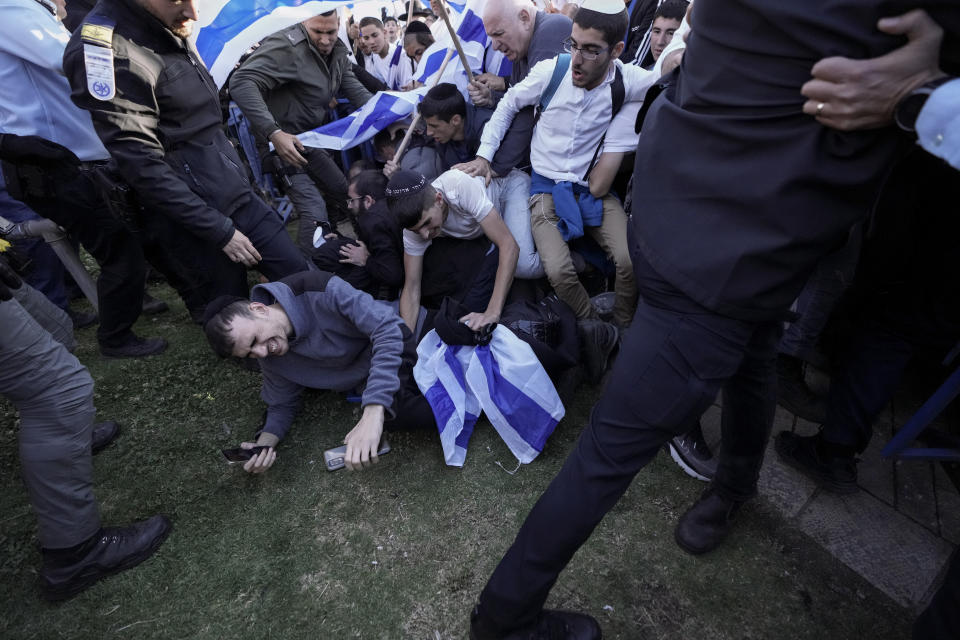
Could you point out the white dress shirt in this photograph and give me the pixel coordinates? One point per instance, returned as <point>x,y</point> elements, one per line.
<point>570,128</point>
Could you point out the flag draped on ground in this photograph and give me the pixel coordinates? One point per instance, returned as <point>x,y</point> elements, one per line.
<point>503,379</point>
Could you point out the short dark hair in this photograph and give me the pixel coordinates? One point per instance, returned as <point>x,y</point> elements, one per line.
<point>217,328</point>
<point>332,12</point>
<point>672,10</point>
<point>370,183</point>
<point>424,38</point>
<point>409,207</point>
<point>390,19</point>
<point>369,20</point>
<point>385,137</point>
<point>612,26</point>
<point>443,101</point>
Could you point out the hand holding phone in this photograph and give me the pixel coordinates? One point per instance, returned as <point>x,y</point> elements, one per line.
<point>334,459</point>
<point>254,458</point>
<point>364,439</point>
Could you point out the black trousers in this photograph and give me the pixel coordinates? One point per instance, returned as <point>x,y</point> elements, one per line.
<point>675,358</point>
<point>216,274</point>
<point>78,207</point>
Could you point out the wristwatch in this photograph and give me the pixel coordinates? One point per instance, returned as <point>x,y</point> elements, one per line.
<point>907,111</point>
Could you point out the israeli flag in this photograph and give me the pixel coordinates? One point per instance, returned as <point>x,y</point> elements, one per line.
<point>473,39</point>
<point>382,110</point>
<point>227,28</point>
<point>503,379</point>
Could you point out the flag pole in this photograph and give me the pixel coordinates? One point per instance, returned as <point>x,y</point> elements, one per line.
<point>453,35</point>
<point>416,119</point>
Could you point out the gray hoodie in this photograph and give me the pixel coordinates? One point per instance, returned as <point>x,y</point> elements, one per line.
<point>342,340</point>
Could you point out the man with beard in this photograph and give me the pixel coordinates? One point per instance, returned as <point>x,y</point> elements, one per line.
<point>157,111</point>
<point>285,88</point>
<point>373,262</point>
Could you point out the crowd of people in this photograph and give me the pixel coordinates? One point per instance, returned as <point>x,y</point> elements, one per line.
<point>676,184</point>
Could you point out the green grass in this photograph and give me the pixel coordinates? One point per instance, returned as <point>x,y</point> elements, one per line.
<point>399,551</point>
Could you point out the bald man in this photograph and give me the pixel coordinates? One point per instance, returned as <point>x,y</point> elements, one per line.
<point>525,36</point>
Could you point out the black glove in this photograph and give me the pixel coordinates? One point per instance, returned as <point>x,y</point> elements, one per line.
<point>8,280</point>
<point>34,150</point>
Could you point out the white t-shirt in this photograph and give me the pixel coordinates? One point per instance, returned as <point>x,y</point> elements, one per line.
<point>468,204</point>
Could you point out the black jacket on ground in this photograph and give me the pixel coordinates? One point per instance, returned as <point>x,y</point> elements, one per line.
<point>163,126</point>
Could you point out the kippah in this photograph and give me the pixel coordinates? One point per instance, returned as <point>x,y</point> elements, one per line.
<point>217,305</point>
<point>610,7</point>
<point>404,183</point>
<point>417,27</point>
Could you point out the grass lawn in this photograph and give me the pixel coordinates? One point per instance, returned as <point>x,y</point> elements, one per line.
<point>399,551</point>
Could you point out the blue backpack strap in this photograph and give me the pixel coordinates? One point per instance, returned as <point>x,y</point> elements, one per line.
<point>559,70</point>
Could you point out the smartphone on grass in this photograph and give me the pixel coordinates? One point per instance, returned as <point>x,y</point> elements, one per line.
<point>334,458</point>
<point>239,456</point>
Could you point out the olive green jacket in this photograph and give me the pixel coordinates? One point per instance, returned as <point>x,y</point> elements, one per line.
<point>286,84</point>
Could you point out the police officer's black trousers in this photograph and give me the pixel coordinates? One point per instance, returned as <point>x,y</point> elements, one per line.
<point>675,358</point>
<point>78,207</point>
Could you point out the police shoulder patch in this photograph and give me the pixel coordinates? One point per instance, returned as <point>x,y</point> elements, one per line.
<point>96,33</point>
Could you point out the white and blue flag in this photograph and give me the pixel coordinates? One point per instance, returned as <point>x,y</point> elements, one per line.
<point>503,379</point>
<point>227,28</point>
<point>382,110</point>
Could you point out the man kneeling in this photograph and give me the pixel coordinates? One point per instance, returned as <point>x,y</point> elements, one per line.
<point>314,330</point>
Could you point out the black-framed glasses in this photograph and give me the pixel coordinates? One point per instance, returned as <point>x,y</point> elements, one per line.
<point>350,200</point>
<point>587,53</point>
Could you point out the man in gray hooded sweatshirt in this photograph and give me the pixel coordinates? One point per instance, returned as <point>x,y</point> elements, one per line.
<point>313,330</point>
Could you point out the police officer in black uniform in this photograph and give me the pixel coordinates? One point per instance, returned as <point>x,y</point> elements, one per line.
<point>156,109</point>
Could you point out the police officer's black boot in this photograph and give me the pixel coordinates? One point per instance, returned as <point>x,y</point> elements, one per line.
<point>134,347</point>
<point>67,572</point>
<point>706,524</point>
<point>550,625</point>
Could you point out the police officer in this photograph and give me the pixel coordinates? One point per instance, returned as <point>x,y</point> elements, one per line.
<point>53,393</point>
<point>284,88</point>
<point>156,109</point>
<point>52,152</point>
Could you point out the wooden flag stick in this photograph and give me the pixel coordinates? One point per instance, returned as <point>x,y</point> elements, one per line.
<point>416,119</point>
<point>456,40</point>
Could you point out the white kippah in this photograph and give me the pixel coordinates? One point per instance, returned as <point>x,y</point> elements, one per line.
<point>611,7</point>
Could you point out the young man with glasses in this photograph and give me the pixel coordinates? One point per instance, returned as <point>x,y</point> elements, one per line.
<point>374,261</point>
<point>568,137</point>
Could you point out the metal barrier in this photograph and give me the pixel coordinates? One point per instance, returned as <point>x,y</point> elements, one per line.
<point>56,237</point>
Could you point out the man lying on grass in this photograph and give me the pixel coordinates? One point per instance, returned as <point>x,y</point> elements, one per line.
<point>314,330</point>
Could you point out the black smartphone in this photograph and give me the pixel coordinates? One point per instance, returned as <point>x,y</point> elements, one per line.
<point>239,456</point>
<point>333,458</point>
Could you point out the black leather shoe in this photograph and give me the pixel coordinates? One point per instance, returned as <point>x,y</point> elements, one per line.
<point>598,340</point>
<point>794,395</point>
<point>83,319</point>
<point>551,625</point>
<point>103,434</point>
<point>112,550</point>
<point>705,525</point>
<point>152,306</point>
<point>837,474</point>
<point>136,347</point>
<point>691,453</point>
